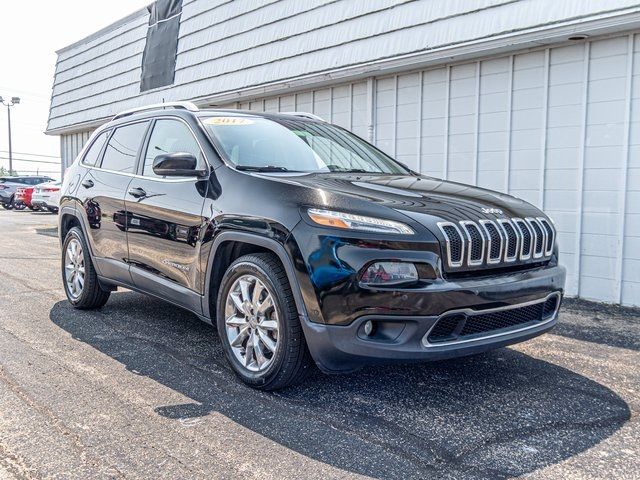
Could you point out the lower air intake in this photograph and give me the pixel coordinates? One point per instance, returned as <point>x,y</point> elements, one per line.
<point>469,326</point>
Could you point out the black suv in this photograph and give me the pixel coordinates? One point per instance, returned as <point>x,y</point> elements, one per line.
<point>301,242</point>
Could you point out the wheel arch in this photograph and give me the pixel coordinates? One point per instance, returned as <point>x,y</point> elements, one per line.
<point>69,217</point>
<point>67,220</point>
<point>229,246</point>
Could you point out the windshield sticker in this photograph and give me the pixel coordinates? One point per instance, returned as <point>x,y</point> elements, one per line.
<point>227,121</point>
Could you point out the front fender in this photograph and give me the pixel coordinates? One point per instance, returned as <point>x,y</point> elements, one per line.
<point>281,249</point>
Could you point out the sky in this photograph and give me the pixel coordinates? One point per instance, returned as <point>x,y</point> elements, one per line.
<point>31,33</point>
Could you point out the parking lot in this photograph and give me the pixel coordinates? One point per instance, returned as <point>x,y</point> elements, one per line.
<point>141,389</point>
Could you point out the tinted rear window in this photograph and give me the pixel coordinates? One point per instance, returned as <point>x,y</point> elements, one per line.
<point>122,149</point>
<point>94,150</point>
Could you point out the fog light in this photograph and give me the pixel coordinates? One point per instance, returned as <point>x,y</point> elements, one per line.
<point>368,328</point>
<point>390,273</point>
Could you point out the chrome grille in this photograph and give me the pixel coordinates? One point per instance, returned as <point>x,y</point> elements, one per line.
<point>491,242</point>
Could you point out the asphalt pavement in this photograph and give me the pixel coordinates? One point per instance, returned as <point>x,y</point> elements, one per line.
<point>141,389</point>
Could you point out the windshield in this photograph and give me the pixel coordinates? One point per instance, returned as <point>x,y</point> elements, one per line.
<point>253,143</point>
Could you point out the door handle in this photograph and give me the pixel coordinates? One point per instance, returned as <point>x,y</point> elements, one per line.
<point>87,183</point>
<point>137,192</point>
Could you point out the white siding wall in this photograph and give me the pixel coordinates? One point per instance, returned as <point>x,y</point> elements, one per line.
<point>558,127</point>
<point>226,46</point>
<point>70,146</point>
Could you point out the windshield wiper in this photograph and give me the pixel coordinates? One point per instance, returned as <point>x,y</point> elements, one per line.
<point>264,168</point>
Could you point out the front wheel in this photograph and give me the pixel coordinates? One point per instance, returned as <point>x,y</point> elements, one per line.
<point>78,274</point>
<point>258,324</point>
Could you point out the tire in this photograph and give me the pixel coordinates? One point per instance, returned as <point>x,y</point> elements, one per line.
<point>89,295</point>
<point>52,210</point>
<point>8,205</point>
<point>19,206</point>
<point>291,361</point>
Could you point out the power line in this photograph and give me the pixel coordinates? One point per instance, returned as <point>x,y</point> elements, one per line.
<point>29,160</point>
<point>32,154</point>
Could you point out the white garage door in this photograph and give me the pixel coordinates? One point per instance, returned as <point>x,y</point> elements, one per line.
<point>559,127</point>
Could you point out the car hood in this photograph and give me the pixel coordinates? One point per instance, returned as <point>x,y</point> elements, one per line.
<point>422,198</point>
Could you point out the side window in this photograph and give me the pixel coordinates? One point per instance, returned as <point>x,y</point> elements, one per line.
<point>170,136</point>
<point>122,149</point>
<point>94,150</point>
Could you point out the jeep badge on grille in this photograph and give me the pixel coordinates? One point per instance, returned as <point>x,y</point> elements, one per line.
<point>495,211</point>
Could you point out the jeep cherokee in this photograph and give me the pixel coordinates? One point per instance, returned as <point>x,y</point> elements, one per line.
<point>301,242</point>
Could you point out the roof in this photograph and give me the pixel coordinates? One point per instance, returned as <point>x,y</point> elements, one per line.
<point>231,51</point>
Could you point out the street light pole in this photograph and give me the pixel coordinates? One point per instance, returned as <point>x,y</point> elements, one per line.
<point>9,104</point>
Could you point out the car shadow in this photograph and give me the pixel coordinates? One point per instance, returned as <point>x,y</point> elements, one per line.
<point>601,323</point>
<point>48,231</point>
<point>497,415</point>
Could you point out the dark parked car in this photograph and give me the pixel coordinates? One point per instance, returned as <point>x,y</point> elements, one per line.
<point>301,242</point>
<point>9,185</point>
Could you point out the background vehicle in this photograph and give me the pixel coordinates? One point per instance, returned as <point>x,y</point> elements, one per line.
<point>9,185</point>
<point>47,196</point>
<point>22,199</point>
<point>301,241</point>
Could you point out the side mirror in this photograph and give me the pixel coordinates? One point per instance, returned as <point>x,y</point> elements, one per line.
<point>178,164</point>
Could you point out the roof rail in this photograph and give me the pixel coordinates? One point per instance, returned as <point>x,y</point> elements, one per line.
<point>157,106</point>
<point>304,115</point>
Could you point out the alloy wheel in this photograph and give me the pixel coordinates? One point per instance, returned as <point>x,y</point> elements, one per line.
<point>251,323</point>
<point>74,268</point>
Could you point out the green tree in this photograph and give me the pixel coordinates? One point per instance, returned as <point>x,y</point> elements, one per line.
<point>4,172</point>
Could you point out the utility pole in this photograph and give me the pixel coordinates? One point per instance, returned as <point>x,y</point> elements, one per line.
<point>9,104</point>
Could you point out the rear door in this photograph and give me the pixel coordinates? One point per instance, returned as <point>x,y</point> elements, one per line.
<point>164,218</point>
<point>102,192</point>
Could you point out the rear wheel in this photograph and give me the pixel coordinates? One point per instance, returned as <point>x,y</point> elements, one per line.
<point>19,206</point>
<point>259,326</point>
<point>8,205</point>
<point>78,274</point>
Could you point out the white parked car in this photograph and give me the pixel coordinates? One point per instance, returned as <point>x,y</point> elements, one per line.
<point>47,196</point>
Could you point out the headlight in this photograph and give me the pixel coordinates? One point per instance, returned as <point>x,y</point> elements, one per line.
<point>349,221</point>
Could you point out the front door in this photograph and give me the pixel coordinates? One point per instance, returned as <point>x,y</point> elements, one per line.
<point>164,219</point>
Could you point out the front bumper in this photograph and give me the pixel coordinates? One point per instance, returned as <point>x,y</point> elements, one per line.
<point>343,348</point>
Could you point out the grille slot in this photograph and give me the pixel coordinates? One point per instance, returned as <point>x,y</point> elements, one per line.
<point>455,244</point>
<point>548,249</point>
<point>472,325</point>
<point>511,235</point>
<point>494,247</point>
<point>525,238</point>
<point>539,237</point>
<point>475,246</point>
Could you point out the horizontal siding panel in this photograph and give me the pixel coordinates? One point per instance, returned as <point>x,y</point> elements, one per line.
<point>206,68</point>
